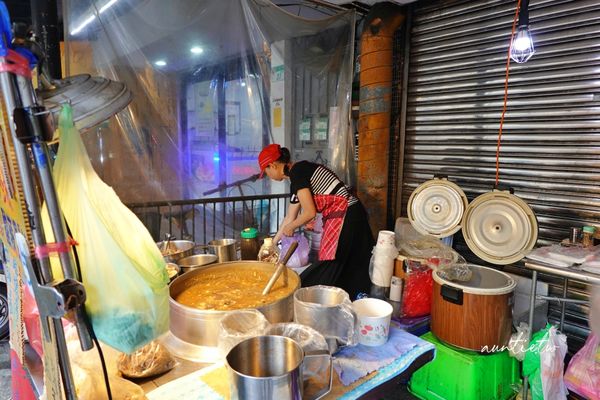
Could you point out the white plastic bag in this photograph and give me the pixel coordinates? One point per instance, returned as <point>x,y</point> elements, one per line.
<point>517,345</point>
<point>122,269</point>
<point>552,357</point>
<point>595,311</point>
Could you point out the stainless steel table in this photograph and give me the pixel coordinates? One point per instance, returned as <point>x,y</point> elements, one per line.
<point>571,273</point>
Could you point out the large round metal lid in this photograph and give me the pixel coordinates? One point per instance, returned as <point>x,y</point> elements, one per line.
<point>436,207</point>
<point>499,227</point>
<point>94,99</point>
<point>484,281</point>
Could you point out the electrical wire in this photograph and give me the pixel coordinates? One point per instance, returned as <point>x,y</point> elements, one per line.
<point>512,35</point>
<point>89,327</point>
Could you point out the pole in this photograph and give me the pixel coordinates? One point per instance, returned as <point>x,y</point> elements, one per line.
<point>45,25</point>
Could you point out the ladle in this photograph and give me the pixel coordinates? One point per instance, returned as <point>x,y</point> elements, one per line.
<point>165,246</point>
<point>281,265</point>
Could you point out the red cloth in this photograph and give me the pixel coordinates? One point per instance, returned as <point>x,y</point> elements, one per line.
<point>333,209</point>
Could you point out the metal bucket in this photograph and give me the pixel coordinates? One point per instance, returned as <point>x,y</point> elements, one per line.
<point>224,249</point>
<point>328,310</point>
<point>270,368</point>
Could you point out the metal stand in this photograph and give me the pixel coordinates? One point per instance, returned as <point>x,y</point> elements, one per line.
<point>566,273</point>
<point>27,133</point>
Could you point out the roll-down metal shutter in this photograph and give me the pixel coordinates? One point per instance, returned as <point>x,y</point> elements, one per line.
<point>550,150</point>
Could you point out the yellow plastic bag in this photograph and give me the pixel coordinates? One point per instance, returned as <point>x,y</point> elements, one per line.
<point>122,269</point>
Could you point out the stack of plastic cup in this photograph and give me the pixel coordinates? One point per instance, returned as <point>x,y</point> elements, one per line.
<point>382,264</point>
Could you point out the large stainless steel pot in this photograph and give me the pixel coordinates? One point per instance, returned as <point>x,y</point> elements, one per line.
<point>201,327</point>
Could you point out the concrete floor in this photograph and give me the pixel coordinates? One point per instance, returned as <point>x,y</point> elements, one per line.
<point>4,371</point>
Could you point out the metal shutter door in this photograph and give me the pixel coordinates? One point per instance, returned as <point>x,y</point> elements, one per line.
<point>551,137</point>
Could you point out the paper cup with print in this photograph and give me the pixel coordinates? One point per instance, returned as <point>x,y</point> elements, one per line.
<point>373,321</point>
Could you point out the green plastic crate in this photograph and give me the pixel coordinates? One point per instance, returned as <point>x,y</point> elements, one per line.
<point>465,375</point>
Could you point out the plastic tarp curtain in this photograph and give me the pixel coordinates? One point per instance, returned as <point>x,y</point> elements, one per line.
<point>213,81</point>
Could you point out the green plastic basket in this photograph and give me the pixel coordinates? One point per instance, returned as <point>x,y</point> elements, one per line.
<point>465,375</point>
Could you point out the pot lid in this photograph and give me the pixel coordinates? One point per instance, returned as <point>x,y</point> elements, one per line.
<point>499,227</point>
<point>436,207</point>
<point>94,99</point>
<point>484,280</point>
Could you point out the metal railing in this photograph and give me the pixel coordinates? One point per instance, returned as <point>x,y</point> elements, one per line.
<point>203,220</point>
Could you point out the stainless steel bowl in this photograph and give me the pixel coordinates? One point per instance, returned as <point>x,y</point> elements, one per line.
<point>191,263</point>
<point>201,327</point>
<point>177,249</point>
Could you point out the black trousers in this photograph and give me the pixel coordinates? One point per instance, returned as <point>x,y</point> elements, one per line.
<point>350,269</point>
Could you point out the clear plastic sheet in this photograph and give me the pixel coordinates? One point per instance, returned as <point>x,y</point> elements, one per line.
<point>150,360</point>
<point>439,257</point>
<point>306,336</point>
<point>213,82</point>
<point>239,325</point>
<point>328,310</point>
<point>310,340</point>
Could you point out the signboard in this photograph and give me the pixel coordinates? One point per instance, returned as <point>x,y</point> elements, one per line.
<point>304,129</point>
<point>321,128</point>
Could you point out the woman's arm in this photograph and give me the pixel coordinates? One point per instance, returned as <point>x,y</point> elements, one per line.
<point>309,211</point>
<point>292,213</point>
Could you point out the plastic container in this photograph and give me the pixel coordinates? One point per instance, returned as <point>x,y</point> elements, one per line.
<point>268,251</point>
<point>482,376</point>
<point>587,239</point>
<point>249,244</point>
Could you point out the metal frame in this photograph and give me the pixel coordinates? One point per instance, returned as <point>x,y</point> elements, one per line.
<point>27,136</point>
<point>213,213</point>
<point>571,273</point>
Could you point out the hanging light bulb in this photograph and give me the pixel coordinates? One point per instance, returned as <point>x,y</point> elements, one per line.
<point>521,48</point>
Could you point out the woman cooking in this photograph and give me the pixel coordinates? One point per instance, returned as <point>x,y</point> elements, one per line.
<point>346,241</point>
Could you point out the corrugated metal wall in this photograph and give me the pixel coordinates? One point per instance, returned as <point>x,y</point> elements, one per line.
<point>551,137</point>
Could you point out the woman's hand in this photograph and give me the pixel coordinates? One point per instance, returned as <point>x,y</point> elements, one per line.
<point>288,230</point>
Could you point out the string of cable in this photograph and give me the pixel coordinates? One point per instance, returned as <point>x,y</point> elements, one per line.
<point>88,325</point>
<point>512,36</point>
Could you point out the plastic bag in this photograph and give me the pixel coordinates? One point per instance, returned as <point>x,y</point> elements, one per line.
<point>595,311</point>
<point>304,335</point>
<point>517,345</point>
<point>544,364</point>
<point>239,325</point>
<point>310,340</point>
<point>88,375</point>
<point>583,372</point>
<point>418,289</point>
<point>150,360</point>
<point>433,253</point>
<point>122,269</point>
<point>328,310</point>
<point>300,257</point>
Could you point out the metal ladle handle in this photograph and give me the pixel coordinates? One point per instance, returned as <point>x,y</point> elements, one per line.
<point>281,265</point>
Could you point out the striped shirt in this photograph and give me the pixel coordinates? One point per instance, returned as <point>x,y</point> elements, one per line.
<point>319,179</point>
